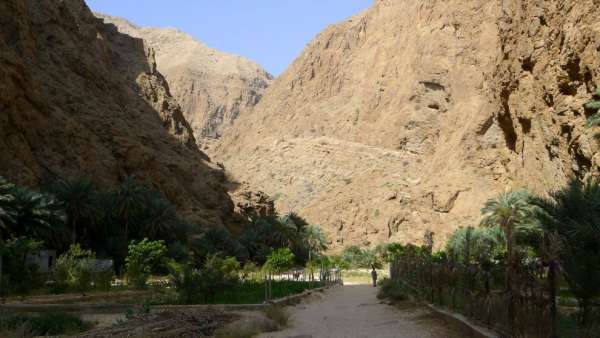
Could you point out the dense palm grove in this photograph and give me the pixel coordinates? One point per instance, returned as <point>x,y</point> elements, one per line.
<point>520,268</point>
<point>139,230</point>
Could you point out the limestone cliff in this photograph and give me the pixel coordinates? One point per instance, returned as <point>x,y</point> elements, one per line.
<point>411,114</point>
<point>212,87</point>
<point>78,98</point>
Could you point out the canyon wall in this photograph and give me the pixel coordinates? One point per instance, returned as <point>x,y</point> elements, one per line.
<point>80,99</point>
<point>212,87</point>
<point>410,115</point>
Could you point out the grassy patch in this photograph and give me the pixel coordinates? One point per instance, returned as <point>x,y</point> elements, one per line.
<point>46,324</point>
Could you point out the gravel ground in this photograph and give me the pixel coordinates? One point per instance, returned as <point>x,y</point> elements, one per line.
<point>355,311</point>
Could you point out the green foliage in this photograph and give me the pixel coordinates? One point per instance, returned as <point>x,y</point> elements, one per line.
<point>217,241</point>
<point>361,258</point>
<point>158,217</point>
<point>315,240</point>
<point>36,215</point>
<point>514,213</point>
<point>573,216</point>
<point>45,324</point>
<point>18,276</point>
<point>480,244</point>
<point>393,290</point>
<point>74,270</point>
<point>79,198</point>
<point>201,285</point>
<point>279,261</point>
<point>144,257</point>
<point>339,262</point>
<point>594,106</point>
<point>7,212</point>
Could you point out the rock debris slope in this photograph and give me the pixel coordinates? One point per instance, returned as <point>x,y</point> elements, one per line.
<point>78,98</point>
<point>212,87</point>
<point>411,114</point>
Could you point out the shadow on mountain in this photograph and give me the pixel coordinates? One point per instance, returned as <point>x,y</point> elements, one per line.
<point>78,98</point>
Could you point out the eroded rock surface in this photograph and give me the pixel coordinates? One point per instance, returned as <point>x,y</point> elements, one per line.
<point>78,98</point>
<point>212,87</point>
<point>411,114</point>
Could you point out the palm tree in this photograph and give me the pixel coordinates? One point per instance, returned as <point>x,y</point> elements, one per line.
<point>7,214</point>
<point>129,201</point>
<point>293,220</point>
<point>80,200</point>
<point>159,218</point>
<point>514,213</point>
<point>316,240</point>
<point>38,216</point>
<point>573,216</point>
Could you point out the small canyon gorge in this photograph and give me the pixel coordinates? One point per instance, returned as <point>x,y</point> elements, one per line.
<point>401,119</point>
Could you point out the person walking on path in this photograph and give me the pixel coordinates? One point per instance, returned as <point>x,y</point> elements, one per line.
<point>374,275</point>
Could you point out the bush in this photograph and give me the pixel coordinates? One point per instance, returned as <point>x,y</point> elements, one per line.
<point>74,270</point>
<point>392,290</point>
<point>53,323</point>
<point>201,285</point>
<point>144,257</point>
<point>18,276</point>
<point>280,260</point>
<point>361,258</point>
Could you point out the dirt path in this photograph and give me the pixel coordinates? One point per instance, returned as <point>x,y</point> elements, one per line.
<point>354,311</point>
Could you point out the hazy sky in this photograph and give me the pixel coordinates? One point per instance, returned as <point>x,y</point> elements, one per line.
<point>270,32</point>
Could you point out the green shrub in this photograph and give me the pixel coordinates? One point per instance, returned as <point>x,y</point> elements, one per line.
<point>18,276</point>
<point>201,285</point>
<point>392,290</point>
<point>52,323</point>
<point>74,271</point>
<point>280,260</point>
<point>143,258</point>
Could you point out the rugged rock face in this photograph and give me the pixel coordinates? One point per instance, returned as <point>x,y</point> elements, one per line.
<point>410,115</point>
<point>78,98</point>
<point>213,87</point>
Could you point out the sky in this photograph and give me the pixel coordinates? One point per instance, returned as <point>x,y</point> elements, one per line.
<point>271,32</point>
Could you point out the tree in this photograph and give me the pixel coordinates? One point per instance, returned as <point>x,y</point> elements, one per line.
<point>280,260</point>
<point>144,257</point>
<point>7,214</point>
<point>573,216</point>
<point>481,244</point>
<point>80,201</point>
<point>129,202</point>
<point>216,241</point>
<point>19,276</point>
<point>316,240</point>
<point>159,217</point>
<point>293,220</point>
<point>514,213</point>
<point>38,216</point>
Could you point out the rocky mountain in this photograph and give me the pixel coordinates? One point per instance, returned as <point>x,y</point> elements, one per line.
<point>212,87</point>
<point>410,115</point>
<point>78,98</point>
